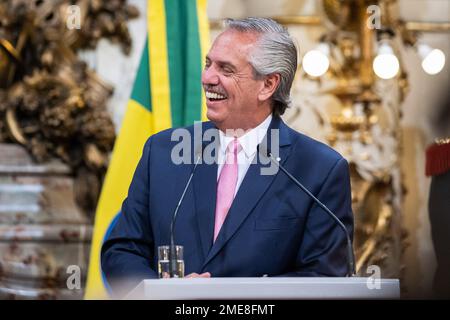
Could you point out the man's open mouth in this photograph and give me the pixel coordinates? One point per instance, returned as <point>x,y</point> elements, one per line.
<point>214,96</point>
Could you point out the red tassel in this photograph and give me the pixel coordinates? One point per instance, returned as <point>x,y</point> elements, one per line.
<point>438,159</point>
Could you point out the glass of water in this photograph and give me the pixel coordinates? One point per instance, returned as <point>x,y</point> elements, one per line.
<point>164,262</point>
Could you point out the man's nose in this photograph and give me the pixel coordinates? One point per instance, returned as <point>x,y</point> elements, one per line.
<point>210,76</point>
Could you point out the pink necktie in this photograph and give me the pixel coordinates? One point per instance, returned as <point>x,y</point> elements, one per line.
<point>226,185</point>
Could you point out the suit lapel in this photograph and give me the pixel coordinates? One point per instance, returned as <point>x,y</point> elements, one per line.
<point>251,190</point>
<point>205,185</point>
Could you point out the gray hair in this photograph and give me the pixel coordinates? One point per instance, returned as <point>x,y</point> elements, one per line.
<point>275,53</point>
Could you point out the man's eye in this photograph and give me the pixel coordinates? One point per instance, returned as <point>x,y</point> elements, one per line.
<point>227,70</point>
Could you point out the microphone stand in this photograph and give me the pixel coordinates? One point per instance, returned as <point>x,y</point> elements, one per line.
<point>172,248</point>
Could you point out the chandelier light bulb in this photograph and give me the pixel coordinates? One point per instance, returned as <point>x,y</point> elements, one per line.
<point>315,62</point>
<point>433,60</point>
<point>386,64</point>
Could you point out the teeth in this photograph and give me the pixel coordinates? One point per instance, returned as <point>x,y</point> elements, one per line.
<point>214,95</point>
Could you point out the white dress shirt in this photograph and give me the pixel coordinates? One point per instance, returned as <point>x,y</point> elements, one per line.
<point>249,142</point>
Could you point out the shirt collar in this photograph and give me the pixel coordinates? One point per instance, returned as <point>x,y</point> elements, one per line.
<point>250,140</point>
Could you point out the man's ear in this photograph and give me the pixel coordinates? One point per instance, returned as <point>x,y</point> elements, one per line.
<point>271,83</point>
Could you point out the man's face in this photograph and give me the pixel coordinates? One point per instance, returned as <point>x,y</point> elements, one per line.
<point>228,80</point>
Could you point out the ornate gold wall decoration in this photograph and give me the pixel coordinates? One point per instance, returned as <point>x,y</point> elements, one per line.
<point>52,104</point>
<point>50,101</point>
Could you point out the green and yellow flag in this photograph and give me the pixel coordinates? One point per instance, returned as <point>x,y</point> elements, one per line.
<point>167,93</point>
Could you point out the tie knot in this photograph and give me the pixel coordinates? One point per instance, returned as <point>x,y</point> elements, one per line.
<point>233,147</point>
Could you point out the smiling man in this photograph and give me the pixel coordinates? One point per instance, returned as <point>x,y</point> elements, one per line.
<point>237,96</point>
<point>235,221</point>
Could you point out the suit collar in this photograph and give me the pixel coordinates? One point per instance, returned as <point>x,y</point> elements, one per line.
<point>249,141</point>
<point>275,124</point>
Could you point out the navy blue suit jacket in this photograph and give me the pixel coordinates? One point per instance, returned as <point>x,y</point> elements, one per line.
<point>272,228</point>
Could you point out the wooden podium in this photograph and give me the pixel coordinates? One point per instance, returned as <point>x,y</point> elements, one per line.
<point>265,288</point>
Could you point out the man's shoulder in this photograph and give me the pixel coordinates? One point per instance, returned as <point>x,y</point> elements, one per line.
<point>308,147</point>
<point>165,137</point>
